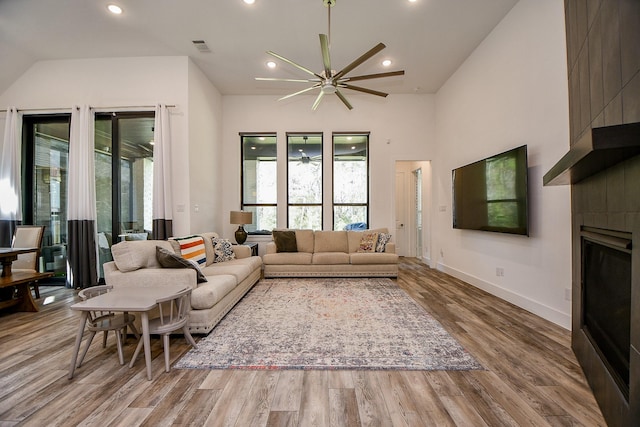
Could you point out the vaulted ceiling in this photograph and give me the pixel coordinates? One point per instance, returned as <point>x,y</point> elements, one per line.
<point>429,39</point>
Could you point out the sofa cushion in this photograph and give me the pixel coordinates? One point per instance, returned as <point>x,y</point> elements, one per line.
<point>305,240</point>
<point>208,245</point>
<point>368,242</point>
<point>331,241</point>
<point>374,258</point>
<point>192,248</point>
<point>330,258</point>
<point>239,268</point>
<point>168,259</point>
<point>284,258</point>
<point>285,240</point>
<point>135,254</point>
<point>222,250</point>
<point>208,294</point>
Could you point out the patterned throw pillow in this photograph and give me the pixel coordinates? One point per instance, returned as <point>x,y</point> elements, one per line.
<point>192,248</point>
<point>383,239</point>
<point>368,242</point>
<point>168,259</point>
<point>222,249</point>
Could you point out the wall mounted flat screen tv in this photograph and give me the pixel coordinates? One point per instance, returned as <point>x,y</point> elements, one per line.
<point>491,194</point>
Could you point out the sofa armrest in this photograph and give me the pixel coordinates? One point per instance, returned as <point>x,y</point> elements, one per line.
<point>390,248</point>
<point>271,248</point>
<point>241,251</point>
<point>149,276</point>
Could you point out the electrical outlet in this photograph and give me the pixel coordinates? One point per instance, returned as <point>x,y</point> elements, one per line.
<point>499,271</point>
<point>441,253</point>
<point>567,294</point>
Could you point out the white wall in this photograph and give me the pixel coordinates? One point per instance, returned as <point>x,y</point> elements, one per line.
<point>205,153</point>
<point>512,90</point>
<point>106,83</point>
<point>402,128</point>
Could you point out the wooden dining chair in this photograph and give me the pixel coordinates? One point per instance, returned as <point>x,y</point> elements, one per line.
<point>174,315</point>
<point>105,321</point>
<point>28,236</point>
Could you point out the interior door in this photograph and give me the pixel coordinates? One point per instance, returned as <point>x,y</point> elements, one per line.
<point>401,213</point>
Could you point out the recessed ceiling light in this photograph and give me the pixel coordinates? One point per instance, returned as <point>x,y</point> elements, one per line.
<point>115,9</point>
<point>353,147</point>
<point>412,1</point>
<point>271,64</point>
<point>249,1</point>
<point>386,62</point>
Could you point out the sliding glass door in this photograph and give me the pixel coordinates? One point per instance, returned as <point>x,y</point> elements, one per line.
<point>124,188</point>
<point>46,151</point>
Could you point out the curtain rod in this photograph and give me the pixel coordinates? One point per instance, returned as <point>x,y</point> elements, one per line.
<point>121,107</point>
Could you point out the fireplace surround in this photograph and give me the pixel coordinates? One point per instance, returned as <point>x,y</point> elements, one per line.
<point>605,205</point>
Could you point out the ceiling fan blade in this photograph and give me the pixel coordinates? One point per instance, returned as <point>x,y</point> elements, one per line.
<point>298,66</point>
<point>364,89</point>
<point>377,48</point>
<point>273,79</point>
<point>344,100</point>
<point>326,59</point>
<point>299,92</point>
<point>317,102</point>
<point>375,76</point>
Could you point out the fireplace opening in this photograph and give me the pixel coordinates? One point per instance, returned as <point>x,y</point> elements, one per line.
<point>606,299</point>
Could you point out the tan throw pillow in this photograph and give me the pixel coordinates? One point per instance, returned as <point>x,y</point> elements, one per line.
<point>285,241</point>
<point>368,242</point>
<point>168,259</point>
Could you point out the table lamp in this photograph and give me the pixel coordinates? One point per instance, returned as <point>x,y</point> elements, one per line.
<point>241,218</point>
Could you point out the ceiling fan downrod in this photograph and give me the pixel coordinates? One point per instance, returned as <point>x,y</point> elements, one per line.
<point>329,4</point>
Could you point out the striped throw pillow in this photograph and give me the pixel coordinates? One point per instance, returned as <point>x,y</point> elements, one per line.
<point>192,248</point>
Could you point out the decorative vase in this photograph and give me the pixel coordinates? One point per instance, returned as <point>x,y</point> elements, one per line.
<point>241,235</point>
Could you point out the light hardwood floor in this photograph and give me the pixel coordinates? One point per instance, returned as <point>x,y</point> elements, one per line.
<point>531,377</point>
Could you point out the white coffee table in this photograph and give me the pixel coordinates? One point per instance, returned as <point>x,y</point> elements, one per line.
<point>140,299</point>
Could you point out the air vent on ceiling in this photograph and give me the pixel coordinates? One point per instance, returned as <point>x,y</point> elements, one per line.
<point>201,45</point>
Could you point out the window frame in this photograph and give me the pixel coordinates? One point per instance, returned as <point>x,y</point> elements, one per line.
<point>321,203</point>
<point>333,160</point>
<point>243,203</point>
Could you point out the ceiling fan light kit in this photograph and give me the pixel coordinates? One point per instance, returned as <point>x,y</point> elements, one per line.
<point>329,81</point>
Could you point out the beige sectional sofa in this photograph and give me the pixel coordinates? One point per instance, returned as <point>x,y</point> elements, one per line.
<point>330,254</point>
<point>135,264</point>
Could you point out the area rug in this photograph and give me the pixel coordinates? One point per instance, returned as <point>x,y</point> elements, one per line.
<point>328,324</point>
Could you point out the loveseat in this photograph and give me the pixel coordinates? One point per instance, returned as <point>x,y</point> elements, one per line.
<point>308,253</point>
<point>136,263</point>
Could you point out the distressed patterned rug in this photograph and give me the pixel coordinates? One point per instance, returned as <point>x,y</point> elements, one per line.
<point>328,324</point>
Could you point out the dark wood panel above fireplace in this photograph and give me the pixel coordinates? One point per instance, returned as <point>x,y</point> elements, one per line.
<point>603,60</point>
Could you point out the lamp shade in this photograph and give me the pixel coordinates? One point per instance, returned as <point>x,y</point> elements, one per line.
<point>240,217</point>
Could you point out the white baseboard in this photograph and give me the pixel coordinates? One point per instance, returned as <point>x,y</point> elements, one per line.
<point>548,313</point>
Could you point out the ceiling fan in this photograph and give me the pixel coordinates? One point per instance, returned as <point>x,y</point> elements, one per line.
<point>328,80</point>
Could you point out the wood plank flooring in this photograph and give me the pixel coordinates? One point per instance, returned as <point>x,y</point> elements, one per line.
<point>531,377</point>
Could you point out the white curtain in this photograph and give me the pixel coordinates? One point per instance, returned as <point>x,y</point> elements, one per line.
<point>162,200</point>
<point>81,201</point>
<point>10,176</point>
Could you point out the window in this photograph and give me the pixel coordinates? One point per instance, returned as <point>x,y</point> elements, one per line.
<point>259,181</point>
<point>304,181</point>
<point>350,181</point>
